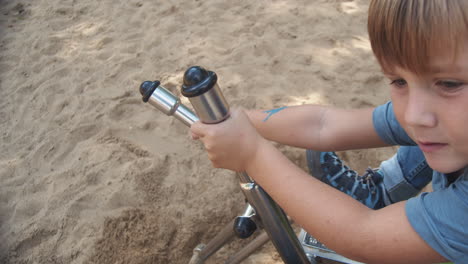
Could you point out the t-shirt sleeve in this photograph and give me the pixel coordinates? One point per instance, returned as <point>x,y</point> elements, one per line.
<point>439,217</point>
<point>388,128</point>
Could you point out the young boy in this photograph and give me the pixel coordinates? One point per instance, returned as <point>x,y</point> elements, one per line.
<point>422,47</point>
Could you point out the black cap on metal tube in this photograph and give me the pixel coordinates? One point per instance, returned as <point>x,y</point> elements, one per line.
<point>201,88</point>
<point>197,81</point>
<point>165,101</point>
<point>147,88</point>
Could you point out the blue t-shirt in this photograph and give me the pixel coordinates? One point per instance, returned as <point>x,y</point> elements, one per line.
<point>440,216</point>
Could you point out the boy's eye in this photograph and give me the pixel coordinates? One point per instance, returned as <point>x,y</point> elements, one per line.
<point>398,82</point>
<point>448,84</point>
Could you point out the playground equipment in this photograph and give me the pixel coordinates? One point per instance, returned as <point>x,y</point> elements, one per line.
<point>261,212</point>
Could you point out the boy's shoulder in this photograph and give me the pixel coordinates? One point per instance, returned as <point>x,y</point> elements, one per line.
<point>439,216</point>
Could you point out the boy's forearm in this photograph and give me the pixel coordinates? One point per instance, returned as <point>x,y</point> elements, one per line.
<point>318,127</point>
<point>294,126</point>
<point>308,201</point>
<point>336,219</point>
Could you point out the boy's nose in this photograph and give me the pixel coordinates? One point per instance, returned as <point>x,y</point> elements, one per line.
<point>419,111</point>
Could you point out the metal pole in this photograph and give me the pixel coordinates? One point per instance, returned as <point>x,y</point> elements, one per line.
<point>203,252</point>
<point>275,222</point>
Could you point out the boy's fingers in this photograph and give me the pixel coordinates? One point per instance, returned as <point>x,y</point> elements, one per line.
<point>197,129</point>
<point>193,135</point>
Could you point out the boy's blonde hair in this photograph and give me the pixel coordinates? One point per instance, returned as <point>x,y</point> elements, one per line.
<point>407,33</point>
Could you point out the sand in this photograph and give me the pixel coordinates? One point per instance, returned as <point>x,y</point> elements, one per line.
<point>91,174</point>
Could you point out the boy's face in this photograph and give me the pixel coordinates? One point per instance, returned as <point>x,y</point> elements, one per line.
<point>433,110</point>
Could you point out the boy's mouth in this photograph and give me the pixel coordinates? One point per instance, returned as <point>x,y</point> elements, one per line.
<point>430,146</point>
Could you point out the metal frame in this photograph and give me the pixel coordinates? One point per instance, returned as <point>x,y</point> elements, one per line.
<point>273,219</point>
<point>261,207</point>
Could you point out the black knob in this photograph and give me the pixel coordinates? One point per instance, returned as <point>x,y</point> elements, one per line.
<point>194,75</point>
<point>147,88</point>
<point>198,81</point>
<point>244,227</point>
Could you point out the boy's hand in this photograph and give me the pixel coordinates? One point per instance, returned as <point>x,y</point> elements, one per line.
<point>231,144</point>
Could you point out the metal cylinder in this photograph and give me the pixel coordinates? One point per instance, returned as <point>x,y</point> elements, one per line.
<point>211,107</point>
<point>169,104</point>
<point>164,100</point>
<point>201,88</point>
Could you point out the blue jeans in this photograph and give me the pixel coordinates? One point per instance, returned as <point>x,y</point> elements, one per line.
<point>404,174</point>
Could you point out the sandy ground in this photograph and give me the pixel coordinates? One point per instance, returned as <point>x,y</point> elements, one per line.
<point>90,174</point>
